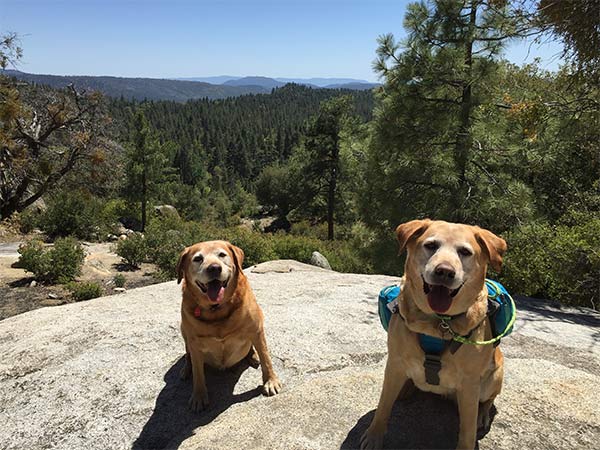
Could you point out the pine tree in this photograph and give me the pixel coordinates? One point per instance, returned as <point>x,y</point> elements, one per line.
<point>323,150</point>
<point>439,83</point>
<point>144,164</point>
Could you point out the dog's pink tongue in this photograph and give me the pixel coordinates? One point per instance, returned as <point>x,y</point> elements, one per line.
<point>439,298</point>
<point>215,291</point>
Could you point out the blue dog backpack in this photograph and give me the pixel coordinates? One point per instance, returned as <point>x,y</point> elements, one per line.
<point>501,308</point>
<point>388,304</point>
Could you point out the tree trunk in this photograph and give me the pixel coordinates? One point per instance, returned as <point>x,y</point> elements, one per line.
<point>332,187</point>
<point>464,140</point>
<point>331,203</point>
<point>144,197</point>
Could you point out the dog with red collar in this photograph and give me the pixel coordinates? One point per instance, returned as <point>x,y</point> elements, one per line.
<point>221,322</point>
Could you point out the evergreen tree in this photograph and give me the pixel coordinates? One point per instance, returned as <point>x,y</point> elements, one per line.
<point>322,147</point>
<point>429,154</point>
<point>144,164</point>
<point>190,162</point>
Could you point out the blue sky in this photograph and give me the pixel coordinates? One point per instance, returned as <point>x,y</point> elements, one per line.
<point>165,39</point>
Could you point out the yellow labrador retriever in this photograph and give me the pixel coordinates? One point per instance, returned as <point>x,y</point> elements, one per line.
<point>221,322</point>
<point>444,275</point>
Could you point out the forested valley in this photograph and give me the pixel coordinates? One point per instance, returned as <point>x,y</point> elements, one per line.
<point>455,132</point>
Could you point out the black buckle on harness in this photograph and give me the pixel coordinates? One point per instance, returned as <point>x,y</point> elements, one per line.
<point>433,365</point>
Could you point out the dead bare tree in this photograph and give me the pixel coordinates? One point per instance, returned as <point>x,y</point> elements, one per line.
<point>44,135</point>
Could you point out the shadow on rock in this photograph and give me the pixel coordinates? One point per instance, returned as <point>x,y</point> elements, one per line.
<point>172,421</point>
<point>124,267</point>
<point>21,282</point>
<point>424,421</point>
<point>557,312</point>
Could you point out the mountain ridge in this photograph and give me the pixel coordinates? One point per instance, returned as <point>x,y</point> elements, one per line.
<point>319,82</point>
<point>140,88</point>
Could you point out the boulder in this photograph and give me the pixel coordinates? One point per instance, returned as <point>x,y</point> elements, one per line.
<point>38,207</point>
<point>104,374</point>
<point>166,211</point>
<point>317,259</point>
<point>260,224</point>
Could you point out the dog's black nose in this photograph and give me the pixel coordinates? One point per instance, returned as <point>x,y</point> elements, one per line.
<point>214,270</point>
<point>445,271</point>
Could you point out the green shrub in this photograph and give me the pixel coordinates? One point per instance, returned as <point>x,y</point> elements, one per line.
<point>133,250</point>
<point>28,220</point>
<point>306,228</point>
<point>166,238</point>
<point>61,263</point>
<point>85,290</point>
<point>257,247</point>
<point>556,262</point>
<point>34,258</point>
<point>299,248</point>
<point>166,253</point>
<point>75,213</point>
<point>119,280</point>
<point>67,257</point>
<point>344,257</point>
<point>117,207</point>
<point>190,201</point>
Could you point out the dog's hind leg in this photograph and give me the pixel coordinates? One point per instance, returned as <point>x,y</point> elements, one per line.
<point>252,358</point>
<point>490,389</point>
<point>407,390</point>
<point>484,419</point>
<point>186,370</point>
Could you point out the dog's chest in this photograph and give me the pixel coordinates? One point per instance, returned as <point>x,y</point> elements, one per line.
<point>448,375</point>
<point>222,353</point>
<point>413,359</point>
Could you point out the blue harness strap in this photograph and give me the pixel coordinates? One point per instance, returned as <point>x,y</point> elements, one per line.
<point>433,348</point>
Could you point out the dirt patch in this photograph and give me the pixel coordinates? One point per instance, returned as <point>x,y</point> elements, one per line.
<point>18,294</point>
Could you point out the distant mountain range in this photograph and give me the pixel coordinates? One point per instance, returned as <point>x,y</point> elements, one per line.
<point>266,81</point>
<point>181,90</point>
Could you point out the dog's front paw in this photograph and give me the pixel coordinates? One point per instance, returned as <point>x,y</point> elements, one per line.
<point>198,402</point>
<point>272,386</point>
<point>371,439</point>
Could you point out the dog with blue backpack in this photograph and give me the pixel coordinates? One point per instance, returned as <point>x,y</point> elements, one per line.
<point>444,321</point>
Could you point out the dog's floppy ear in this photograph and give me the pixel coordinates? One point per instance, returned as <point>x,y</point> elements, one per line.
<point>183,257</point>
<point>409,230</point>
<point>492,245</point>
<point>238,257</point>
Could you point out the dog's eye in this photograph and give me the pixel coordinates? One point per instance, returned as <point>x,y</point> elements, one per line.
<point>222,255</point>
<point>464,251</point>
<point>198,258</point>
<point>431,245</point>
